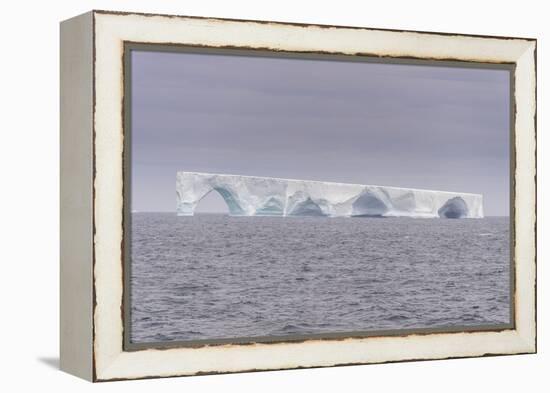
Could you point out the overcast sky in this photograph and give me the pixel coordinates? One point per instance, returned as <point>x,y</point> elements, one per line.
<point>441,128</point>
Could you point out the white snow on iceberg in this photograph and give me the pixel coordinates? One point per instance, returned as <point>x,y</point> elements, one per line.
<point>267,196</point>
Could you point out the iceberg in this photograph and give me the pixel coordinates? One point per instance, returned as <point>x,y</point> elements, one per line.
<point>268,196</point>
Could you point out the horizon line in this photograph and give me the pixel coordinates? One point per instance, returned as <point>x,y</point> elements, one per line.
<point>227,213</point>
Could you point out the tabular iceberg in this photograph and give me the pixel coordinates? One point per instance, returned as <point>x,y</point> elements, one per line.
<point>267,196</point>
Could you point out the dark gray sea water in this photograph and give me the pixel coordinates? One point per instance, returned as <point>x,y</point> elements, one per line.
<point>215,276</point>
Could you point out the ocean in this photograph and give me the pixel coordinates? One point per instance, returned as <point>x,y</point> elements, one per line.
<point>213,276</point>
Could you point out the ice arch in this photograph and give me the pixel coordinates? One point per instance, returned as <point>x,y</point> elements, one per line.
<point>213,201</point>
<point>267,196</point>
<point>231,200</point>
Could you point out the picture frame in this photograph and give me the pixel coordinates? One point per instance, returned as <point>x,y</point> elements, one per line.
<point>94,220</point>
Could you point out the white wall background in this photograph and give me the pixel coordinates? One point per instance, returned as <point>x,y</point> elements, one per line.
<point>29,195</point>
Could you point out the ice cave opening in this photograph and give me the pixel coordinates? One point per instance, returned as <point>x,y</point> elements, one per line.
<point>369,205</point>
<point>454,208</point>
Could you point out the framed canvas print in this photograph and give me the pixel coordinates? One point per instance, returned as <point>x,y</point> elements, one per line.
<point>245,195</point>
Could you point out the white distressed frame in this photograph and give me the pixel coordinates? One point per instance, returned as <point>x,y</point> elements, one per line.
<point>111,30</point>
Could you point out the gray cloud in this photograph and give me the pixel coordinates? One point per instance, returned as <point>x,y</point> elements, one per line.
<point>416,126</point>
